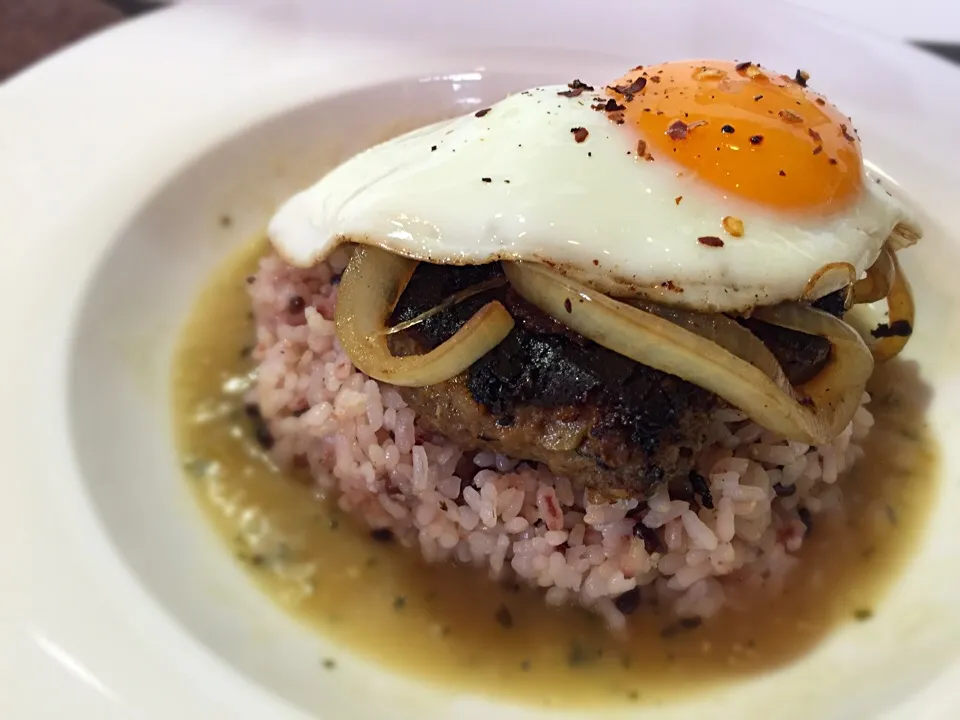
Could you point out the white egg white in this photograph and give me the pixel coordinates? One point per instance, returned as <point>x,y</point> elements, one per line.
<point>514,184</point>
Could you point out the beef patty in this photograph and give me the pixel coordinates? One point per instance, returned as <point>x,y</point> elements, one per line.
<point>547,394</point>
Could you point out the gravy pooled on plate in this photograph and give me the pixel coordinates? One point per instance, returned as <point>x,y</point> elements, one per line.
<point>453,625</point>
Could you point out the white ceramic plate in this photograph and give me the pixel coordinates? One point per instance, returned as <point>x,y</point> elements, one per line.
<point>117,159</point>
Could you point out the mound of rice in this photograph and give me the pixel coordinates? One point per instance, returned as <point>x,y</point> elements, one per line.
<point>361,443</point>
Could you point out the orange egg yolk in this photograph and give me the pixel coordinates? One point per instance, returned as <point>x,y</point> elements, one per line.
<point>745,130</point>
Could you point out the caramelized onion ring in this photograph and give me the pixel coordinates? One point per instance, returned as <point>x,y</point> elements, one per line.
<point>900,316</point>
<point>829,278</point>
<point>369,290</point>
<point>824,408</point>
<point>904,235</point>
<point>876,285</point>
<point>724,331</point>
<point>900,310</point>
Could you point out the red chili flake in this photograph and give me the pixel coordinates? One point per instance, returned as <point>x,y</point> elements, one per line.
<point>820,101</point>
<point>579,134</point>
<point>782,173</point>
<point>642,151</point>
<point>486,180</point>
<point>846,135</point>
<point>567,305</point>
<point>655,79</point>
<point>756,139</point>
<point>613,106</point>
<point>677,199</point>
<point>596,262</point>
<point>814,134</point>
<point>801,78</point>
<point>708,73</point>
<point>733,225</point>
<point>616,117</point>
<point>757,97</point>
<point>669,285</point>
<point>833,161</point>
<point>789,116</point>
<point>710,241</point>
<point>749,69</point>
<point>818,149</point>
<point>481,113</point>
<point>577,88</point>
<point>638,67</point>
<point>628,91</point>
<point>677,130</point>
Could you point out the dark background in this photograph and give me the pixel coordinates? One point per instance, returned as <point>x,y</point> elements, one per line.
<point>30,29</point>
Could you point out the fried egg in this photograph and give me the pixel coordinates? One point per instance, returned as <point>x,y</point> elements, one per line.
<point>707,185</point>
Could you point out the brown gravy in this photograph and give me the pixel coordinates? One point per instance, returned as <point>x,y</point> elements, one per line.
<point>447,624</point>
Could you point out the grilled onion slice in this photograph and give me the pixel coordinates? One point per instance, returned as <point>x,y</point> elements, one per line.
<point>876,284</point>
<point>724,331</point>
<point>829,278</point>
<point>899,322</point>
<point>814,413</point>
<point>369,290</point>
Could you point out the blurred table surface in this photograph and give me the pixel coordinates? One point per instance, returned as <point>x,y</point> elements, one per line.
<point>31,29</point>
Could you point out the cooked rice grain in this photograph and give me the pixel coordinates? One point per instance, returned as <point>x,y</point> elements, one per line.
<point>361,443</point>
